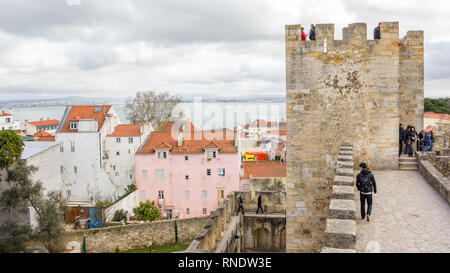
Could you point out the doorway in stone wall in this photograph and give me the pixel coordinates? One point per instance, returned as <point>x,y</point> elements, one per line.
<point>262,238</point>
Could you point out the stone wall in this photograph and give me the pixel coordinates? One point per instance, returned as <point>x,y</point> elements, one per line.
<point>343,91</point>
<point>340,232</point>
<point>132,236</point>
<point>223,230</point>
<point>429,167</point>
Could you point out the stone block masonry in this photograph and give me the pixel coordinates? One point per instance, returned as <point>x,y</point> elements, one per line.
<point>132,236</point>
<point>352,90</point>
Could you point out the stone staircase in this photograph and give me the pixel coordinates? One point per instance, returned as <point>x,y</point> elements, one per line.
<point>340,232</point>
<point>408,163</point>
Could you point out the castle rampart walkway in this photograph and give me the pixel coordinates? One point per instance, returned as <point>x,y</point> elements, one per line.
<point>408,215</point>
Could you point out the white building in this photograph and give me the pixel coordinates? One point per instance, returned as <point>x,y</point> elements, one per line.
<point>48,125</point>
<point>81,134</point>
<point>120,147</point>
<point>8,123</point>
<point>45,156</point>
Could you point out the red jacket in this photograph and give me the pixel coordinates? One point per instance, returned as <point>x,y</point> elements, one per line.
<point>303,36</point>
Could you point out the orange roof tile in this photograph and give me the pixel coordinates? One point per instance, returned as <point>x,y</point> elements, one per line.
<point>85,112</point>
<point>436,115</point>
<point>167,126</point>
<point>263,169</point>
<point>41,133</point>
<point>46,138</point>
<point>4,114</point>
<point>193,142</point>
<point>47,122</point>
<point>127,130</point>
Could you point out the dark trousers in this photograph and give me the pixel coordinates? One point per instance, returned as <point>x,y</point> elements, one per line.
<point>239,209</point>
<point>409,149</point>
<point>363,198</point>
<point>400,147</point>
<point>259,207</point>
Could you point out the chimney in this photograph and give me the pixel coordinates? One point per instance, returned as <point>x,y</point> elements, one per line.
<point>180,139</point>
<point>41,119</point>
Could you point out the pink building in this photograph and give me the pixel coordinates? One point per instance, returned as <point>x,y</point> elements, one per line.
<point>187,176</point>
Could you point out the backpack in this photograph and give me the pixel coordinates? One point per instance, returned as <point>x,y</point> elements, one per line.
<point>365,184</point>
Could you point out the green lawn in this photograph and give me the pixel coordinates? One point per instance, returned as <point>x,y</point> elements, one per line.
<point>160,249</point>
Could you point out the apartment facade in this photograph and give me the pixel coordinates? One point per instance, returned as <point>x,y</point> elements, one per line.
<point>81,135</point>
<point>188,174</point>
<point>8,123</point>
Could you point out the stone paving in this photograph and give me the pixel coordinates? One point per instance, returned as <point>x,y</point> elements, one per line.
<point>408,215</point>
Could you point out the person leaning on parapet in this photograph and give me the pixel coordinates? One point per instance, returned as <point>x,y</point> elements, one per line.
<point>365,183</point>
<point>377,32</point>
<point>401,138</point>
<point>240,203</point>
<point>312,33</point>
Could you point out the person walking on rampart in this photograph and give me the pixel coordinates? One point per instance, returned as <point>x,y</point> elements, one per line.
<point>365,183</point>
<point>401,138</point>
<point>240,203</point>
<point>259,205</point>
<point>312,33</point>
<point>377,32</point>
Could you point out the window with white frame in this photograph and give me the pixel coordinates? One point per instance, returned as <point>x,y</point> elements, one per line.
<point>162,155</point>
<point>186,177</point>
<point>161,194</point>
<point>130,140</point>
<point>186,158</point>
<point>75,169</point>
<point>159,174</point>
<point>212,154</point>
<point>221,172</point>
<point>188,211</point>
<point>68,193</point>
<point>117,173</point>
<point>61,169</point>
<point>73,125</point>
<point>204,210</point>
<point>117,139</point>
<point>187,195</point>
<point>204,194</point>
<point>72,146</point>
<point>61,147</point>
<point>144,174</point>
<point>208,171</point>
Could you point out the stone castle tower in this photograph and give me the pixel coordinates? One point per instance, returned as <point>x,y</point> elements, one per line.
<point>352,90</point>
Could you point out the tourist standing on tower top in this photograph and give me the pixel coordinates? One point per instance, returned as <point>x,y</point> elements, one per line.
<point>312,33</point>
<point>303,34</point>
<point>377,32</point>
<point>365,183</point>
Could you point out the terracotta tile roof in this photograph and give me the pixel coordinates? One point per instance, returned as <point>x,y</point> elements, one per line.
<point>429,128</point>
<point>436,116</point>
<point>127,130</point>
<point>191,145</point>
<point>47,122</point>
<point>85,112</point>
<point>41,133</point>
<point>263,169</point>
<point>4,114</point>
<point>46,138</point>
<point>212,144</point>
<point>166,126</point>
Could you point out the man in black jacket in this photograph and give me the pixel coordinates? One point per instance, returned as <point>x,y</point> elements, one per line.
<point>312,33</point>
<point>240,203</point>
<point>365,182</point>
<point>259,205</point>
<point>377,32</point>
<point>401,138</point>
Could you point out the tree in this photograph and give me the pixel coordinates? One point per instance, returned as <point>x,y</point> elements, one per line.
<point>120,215</point>
<point>147,211</point>
<point>437,105</point>
<point>152,107</point>
<point>22,193</point>
<point>11,147</point>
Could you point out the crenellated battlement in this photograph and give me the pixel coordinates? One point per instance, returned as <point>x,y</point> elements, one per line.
<point>356,90</point>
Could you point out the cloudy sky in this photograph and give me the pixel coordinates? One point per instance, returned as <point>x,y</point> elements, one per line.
<point>94,48</point>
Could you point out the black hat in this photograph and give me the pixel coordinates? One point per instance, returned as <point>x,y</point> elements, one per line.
<point>363,165</point>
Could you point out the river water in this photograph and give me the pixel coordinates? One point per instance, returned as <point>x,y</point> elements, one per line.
<point>203,115</point>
